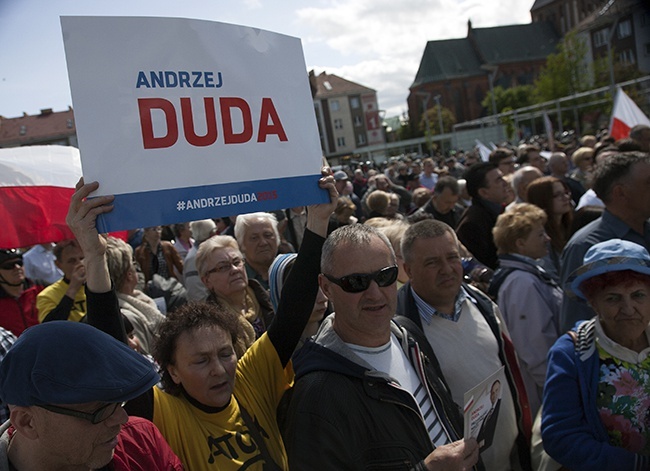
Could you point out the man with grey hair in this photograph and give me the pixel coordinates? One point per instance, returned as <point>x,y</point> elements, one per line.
<point>258,237</point>
<point>466,333</point>
<point>363,396</point>
<point>201,231</point>
<point>558,167</point>
<point>520,181</point>
<point>622,182</point>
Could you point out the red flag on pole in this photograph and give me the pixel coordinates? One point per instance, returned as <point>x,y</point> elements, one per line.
<point>625,116</point>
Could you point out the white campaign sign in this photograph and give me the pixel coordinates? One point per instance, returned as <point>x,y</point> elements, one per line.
<point>189,119</point>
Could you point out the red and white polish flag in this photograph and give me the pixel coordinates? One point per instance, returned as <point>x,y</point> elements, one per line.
<point>36,184</point>
<point>625,116</point>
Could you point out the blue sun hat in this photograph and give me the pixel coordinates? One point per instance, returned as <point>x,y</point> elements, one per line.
<point>604,257</point>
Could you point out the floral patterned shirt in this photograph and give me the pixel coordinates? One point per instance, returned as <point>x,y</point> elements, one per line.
<point>624,401</point>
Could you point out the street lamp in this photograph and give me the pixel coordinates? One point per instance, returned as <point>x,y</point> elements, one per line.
<point>437,98</point>
<point>492,74</point>
<point>425,101</point>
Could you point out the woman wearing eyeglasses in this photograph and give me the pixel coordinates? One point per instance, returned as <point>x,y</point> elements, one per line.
<point>217,411</point>
<point>554,197</point>
<point>221,267</point>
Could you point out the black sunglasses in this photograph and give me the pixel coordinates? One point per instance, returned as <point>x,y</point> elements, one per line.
<point>100,415</point>
<point>358,282</point>
<point>12,264</point>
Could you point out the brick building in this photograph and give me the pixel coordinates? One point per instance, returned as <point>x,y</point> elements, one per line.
<point>47,128</point>
<point>457,71</point>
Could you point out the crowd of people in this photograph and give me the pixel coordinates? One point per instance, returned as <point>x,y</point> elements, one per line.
<point>345,335</point>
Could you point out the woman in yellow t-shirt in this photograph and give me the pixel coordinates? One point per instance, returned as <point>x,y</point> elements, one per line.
<point>216,412</point>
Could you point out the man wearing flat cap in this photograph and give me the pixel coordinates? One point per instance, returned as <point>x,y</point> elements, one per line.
<point>65,384</point>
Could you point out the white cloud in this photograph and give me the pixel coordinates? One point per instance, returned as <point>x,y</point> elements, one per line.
<point>382,41</point>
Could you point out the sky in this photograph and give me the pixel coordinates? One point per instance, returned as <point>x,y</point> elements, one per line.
<point>376,43</point>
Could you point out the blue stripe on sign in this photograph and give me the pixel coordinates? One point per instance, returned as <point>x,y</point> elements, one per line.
<point>152,208</point>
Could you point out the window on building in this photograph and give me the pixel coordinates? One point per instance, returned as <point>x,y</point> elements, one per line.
<point>645,20</point>
<point>627,57</point>
<point>354,102</point>
<point>624,29</point>
<point>334,105</point>
<point>340,141</point>
<point>338,123</point>
<point>600,37</point>
<point>358,121</point>
<point>361,139</point>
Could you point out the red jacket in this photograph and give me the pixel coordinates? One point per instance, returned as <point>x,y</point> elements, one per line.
<point>18,314</point>
<point>141,447</point>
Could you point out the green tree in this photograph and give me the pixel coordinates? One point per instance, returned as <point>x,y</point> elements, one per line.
<point>448,120</point>
<point>513,98</point>
<point>566,72</point>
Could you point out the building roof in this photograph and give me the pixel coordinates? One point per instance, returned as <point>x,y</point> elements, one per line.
<point>516,43</point>
<point>27,129</point>
<point>330,85</point>
<point>456,58</point>
<point>446,59</point>
<point>540,4</point>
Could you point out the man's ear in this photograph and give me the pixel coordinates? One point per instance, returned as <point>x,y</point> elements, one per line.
<point>407,269</point>
<point>481,192</point>
<point>618,192</point>
<point>325,285</point>
<point>24,421</point>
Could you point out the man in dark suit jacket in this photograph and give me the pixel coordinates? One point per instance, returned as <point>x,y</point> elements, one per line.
<point>489,191</point>
<point>486,432</point>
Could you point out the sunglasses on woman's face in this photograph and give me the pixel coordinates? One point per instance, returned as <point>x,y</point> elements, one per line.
<point>358,282</point>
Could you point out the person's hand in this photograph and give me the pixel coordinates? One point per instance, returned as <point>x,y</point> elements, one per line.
<point>78,276</point>
<point>82,217</point>
<point>318,214</point>
<point>456,456</point>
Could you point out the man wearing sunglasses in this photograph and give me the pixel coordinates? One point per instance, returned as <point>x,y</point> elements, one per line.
<point>17,294</point>
<point>66,383</point>
<point>363,397</point>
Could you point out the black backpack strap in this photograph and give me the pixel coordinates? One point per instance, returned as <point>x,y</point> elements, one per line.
<point>497,280</point>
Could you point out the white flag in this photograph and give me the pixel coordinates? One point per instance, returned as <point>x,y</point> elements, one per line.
<point>483,150</point>
<point>548,126</point>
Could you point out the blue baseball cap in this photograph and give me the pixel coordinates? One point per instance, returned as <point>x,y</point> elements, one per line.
<point>65,362</point>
